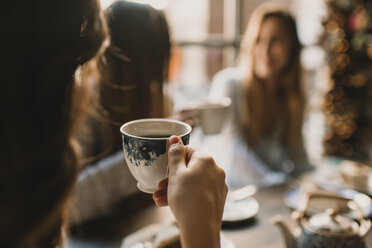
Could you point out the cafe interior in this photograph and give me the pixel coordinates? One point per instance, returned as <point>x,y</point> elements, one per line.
<point>270,204</point>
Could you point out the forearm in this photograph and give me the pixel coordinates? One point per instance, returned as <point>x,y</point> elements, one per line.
<point>100,187</point>
<point>200,234</point>
<point>248,168</point>
<point>201,227</point>
<point>196,194</point>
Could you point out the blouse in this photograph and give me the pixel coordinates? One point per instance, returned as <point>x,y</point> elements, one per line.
<point>266,163</point>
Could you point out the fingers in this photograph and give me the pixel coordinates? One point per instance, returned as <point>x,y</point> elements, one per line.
<point>189,153</point>
<point>160,196</point>
<point>176,155</point>
<point>188,116</point>
<point>163,184</point>
<point>198,159</point>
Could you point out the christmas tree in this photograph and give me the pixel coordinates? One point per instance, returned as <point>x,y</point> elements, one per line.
<point>347,40</point>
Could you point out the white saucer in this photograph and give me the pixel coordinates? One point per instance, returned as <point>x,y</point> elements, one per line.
<point>146,236</point>
<point>292,199</point>
<point>240,210</point>
<point>329,176</point>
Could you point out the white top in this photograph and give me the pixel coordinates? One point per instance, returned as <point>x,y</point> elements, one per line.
<point>264,164</point>
<point>100,187</point>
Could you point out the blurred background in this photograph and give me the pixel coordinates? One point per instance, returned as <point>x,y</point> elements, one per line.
<point>337,50</point>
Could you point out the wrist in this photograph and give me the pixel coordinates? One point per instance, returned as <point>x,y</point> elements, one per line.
<point>200,234</point>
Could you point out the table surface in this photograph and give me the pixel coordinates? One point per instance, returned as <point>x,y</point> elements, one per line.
<point>140,211</point>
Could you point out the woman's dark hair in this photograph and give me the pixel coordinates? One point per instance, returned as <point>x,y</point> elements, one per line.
<point>45,42</point>
<point>131,75</point>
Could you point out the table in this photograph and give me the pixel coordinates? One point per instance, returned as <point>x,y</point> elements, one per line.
<point>140,211</point>
<point>261,233</point>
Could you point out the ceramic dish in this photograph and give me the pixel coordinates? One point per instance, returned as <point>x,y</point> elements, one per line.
<point>145,237</point>
<point>292,199</point>
<point>240,210</point>
<point>331,175</point>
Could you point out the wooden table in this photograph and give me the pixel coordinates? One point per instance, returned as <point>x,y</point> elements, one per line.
<point>261,233</point>
<point>140,211</point>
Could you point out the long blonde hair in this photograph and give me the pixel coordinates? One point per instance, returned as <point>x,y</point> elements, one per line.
<point>255,116</point>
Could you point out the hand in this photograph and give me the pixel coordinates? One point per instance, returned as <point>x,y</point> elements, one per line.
<point>196,193</point>
<point>186,115</point>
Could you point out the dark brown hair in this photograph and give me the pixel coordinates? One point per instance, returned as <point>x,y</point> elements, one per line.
<point>46,40</point>
<point>131,74</point>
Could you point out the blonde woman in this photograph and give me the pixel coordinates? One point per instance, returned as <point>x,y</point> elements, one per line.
<point>268,101</point>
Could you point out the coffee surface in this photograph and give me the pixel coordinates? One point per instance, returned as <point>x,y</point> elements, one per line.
<point>151,136</point>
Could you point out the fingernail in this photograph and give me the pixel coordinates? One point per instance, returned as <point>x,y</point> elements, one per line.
<point>174,140</point>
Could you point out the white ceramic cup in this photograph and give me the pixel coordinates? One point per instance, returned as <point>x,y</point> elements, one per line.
<point>356,175</point>
<point>212,114</point>
<point>145,144</point>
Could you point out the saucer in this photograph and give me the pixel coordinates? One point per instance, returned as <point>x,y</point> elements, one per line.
<point>146,237</point>
<point>240,210</point>
<point>332,175</point>
<point>292,199</point>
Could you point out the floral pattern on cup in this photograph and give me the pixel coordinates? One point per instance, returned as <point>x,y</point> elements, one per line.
<point>146,151</point>
<point>143,151</point>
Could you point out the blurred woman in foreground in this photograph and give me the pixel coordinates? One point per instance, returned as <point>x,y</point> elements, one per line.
<point>47,42</point>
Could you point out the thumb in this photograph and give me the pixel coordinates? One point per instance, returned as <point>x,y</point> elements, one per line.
<point>176,154</point>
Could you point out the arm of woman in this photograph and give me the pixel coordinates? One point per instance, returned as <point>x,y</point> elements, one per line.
<point>101,186</point>
<point>196,193</point>
<point>248,168</point>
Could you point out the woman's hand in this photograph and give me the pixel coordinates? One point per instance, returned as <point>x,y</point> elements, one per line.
<point>196,193</point>
<point>186,115</point>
